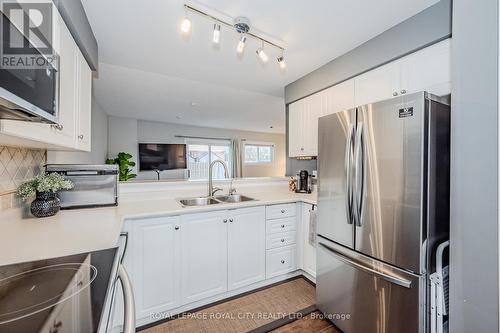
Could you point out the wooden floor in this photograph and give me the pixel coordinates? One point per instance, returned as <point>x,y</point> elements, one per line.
<point>252,312</point>
<point>309,324</point>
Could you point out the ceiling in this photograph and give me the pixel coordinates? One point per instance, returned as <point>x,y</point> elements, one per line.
<point>148,70</point>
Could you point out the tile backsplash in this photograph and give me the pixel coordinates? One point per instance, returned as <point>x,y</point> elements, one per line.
<point>16,166</point>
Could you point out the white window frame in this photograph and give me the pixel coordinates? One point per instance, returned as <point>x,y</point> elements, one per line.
<point>210,143</point>
<point>259,143</point>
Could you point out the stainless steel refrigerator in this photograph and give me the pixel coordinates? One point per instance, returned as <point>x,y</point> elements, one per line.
<point>383,207</point>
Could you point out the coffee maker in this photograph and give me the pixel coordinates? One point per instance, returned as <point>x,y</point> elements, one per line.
<point>304,182</point>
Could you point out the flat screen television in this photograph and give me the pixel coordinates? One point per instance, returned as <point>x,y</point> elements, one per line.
<point>157,156</point>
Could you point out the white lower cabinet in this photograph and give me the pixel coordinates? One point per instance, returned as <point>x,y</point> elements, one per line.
<point>179,262</point>
<point>204,255</point>
<point>246,246</point>
<point>155,250</point>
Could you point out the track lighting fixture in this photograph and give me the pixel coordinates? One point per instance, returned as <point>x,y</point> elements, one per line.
<point>241,25</point>
<point>216,36</point>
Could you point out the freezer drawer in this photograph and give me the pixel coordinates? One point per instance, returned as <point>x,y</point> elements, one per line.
<point>360,294</point>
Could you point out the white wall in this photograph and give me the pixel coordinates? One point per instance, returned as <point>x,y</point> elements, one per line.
<point>126,133</point>
<point>99,143</point>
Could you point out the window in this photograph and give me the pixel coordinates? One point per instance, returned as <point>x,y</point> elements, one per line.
<point>258,152</point>
<point>201,153</point>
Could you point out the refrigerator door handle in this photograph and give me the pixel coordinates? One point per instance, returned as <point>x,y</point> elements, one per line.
<point>388,277</point>
<point>348,174</point>
<point>359,174</point>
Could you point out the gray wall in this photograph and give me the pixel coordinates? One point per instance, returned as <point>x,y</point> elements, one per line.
<point>419,31</point>
<point>474,181</point>
<point>99,142</point>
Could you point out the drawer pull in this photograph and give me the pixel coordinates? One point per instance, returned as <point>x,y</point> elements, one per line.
<point>225,220</point>
<point>282,261</point>
<point>282,225</point>
<point>282,211</point>
<point>231,220</point>
<point>282,240</point>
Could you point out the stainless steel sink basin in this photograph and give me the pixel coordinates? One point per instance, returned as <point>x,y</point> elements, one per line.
<point>233,198</point>
<point>203,201</point>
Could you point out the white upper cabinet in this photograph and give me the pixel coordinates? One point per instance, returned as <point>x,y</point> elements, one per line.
<point>84,104</point>
<point>425,70</point>
<point>75,80</point>
<point>246,246</point>
<point>428,70</point>
<point>339,97</point>
<point>378,84</point>
<point>204,255</point>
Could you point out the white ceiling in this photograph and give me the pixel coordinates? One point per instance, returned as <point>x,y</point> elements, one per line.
<point>148,70</point>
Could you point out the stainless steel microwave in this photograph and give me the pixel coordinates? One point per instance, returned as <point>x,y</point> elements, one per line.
<point>29,93</point>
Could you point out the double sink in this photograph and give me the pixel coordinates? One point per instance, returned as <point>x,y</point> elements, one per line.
<point>206,201</point>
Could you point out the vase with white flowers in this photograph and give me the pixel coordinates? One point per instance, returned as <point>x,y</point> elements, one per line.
<point>44,187</point>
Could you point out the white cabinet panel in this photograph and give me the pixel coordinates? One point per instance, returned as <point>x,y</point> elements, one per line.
<point>246,246</point>
<point>428,69</point>
<point>308,251</point>
<point>83,134</point>
<point>378,84</point>
<point>155,246</point>
<point>339,97</point>
<point>204,255</point>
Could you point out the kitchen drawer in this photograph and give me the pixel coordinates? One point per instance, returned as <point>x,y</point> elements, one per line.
<point>280,261</point>
<point>280,211</point>
<point>281,225</point>
<point>280,239</point>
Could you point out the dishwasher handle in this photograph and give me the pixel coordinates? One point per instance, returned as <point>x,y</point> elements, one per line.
<point>128,301</point>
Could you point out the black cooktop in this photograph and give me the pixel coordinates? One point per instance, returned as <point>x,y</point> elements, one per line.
<point>65,294</point>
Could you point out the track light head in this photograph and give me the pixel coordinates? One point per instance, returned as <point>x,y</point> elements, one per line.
<point>281,62</point>
<point>216,36</point>
<point>241,44</point>
<point>262,55</point>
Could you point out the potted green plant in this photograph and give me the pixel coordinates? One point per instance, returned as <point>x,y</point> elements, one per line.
<point>125,173</point>
<point>45,187</point>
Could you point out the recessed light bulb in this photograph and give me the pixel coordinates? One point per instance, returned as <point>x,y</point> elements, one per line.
<point>281,62</point>
<point>216,38</point>
<point>186,25</point>
<point>262,55</point>
<point>241,44</point>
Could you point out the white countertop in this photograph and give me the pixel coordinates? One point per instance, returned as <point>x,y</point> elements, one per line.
<point>76,231</point>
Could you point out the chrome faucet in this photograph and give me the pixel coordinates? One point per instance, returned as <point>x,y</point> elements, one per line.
<point>211,190</point>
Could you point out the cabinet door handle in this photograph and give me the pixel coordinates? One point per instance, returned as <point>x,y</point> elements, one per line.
<point>282,261</point>
<point>403,92</point>
<point>176,227</point>
<point>282,240</point>
<point>282,211</point>
<point>230,220</point>
<point>282,225</point>
<point>80,137</point>
<point>395,93</point>
<point>225,220</point>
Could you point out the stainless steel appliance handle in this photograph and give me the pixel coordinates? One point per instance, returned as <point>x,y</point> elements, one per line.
<point>359,174</point>
<point>390,278</point>
<point>348,176</point>
<point>128,301</point>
